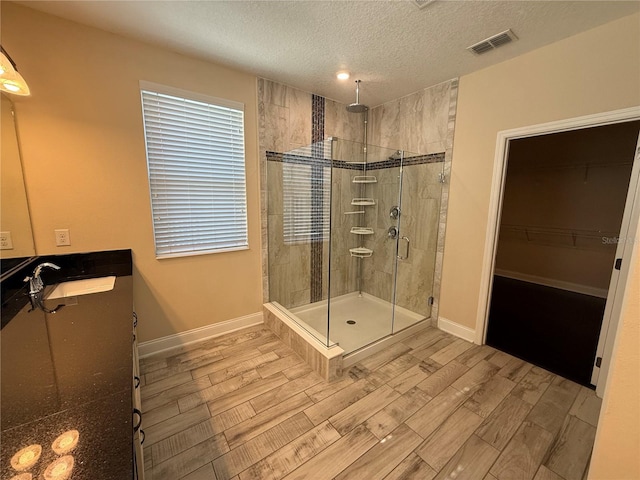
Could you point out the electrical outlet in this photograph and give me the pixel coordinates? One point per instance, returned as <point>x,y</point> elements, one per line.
<point>6,243</point>
<point>62,237</point>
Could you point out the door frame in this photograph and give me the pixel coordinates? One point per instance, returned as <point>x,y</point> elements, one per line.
<point>495,211</point>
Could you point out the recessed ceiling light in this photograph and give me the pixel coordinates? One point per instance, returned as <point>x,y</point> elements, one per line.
<point>343,75</point>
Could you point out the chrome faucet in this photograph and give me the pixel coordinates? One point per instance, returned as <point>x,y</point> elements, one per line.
<point>36,288</point>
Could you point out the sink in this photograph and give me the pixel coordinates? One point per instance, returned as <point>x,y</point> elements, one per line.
<point>82,287</point>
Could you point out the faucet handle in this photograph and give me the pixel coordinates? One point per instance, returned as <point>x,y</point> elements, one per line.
<point>35,284</point>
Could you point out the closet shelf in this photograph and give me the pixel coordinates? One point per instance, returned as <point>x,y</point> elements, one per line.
<point>559,237</point>
<point>360,252</point>
<point>364,179</point>
<point>362,230</point>
<point>363,201</point>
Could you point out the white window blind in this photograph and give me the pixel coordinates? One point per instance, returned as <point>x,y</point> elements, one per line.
<point>195,157</point>
<point>297,199</point>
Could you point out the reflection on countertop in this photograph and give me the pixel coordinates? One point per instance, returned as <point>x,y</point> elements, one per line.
<point>70,372</point>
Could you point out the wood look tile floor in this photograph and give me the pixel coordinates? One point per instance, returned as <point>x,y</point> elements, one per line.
<point>244,406</point>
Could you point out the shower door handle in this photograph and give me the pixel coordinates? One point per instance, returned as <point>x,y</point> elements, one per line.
<point>400,257</point>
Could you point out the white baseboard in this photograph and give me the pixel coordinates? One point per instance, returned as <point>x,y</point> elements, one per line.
<point>197,334</point>
<point>551,282</point>
<point>456,329</point>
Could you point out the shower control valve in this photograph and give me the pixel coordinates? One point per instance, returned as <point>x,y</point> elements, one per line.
<point>394,212</point>
<point>392,232</point>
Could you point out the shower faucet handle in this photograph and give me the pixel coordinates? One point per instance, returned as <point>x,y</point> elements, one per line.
<point>392,232</point>
<point>394,212</point>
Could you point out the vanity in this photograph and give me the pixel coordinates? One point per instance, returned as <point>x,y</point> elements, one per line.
<point>70,387</point>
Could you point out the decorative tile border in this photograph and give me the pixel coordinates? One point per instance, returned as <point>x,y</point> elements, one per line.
<point>317,197</point>
<point>317,119</point>
<point>326,162</point>
<point>415,160</point>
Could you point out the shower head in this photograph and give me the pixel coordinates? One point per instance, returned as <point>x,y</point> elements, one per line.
<point>397,155</point>
<point>357,107</point>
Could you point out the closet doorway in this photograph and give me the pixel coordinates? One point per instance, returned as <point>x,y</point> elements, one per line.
<point>558,244</point>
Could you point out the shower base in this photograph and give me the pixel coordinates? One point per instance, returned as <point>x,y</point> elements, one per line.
<point>370,334</point>
<point>372,317</point>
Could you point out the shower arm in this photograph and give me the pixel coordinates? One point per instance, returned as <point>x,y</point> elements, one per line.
<point>364,172</point>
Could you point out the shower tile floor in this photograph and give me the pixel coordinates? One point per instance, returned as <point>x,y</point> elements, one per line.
<point>372,317</point>
<point>244,406</point>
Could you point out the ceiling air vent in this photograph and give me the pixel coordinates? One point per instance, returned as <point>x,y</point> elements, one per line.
<point>490,43</point>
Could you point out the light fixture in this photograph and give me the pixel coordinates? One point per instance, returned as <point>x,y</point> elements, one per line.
<point>343,75</point>
<point>10,79</point>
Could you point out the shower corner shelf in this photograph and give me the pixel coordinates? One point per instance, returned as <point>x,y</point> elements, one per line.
<point>364,179</point>
<point>363,201</point>
<point>362,230</point>
<point>360,252</point>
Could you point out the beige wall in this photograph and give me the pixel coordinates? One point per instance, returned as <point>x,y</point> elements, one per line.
<point>596,71</point>
<point>615,454</point>
<point>543,206</point>
<point>14,215</point>
<point>85,166</point>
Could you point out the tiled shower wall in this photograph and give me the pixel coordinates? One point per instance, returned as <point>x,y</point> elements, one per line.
<point>421,193</point>
<point>286,121</point>
<point>418,122</point>
<point>422,123</point>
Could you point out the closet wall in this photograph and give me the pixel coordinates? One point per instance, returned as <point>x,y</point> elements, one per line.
<point>563,204</point>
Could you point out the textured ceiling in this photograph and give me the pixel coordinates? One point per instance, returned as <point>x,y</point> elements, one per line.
<point>394,47</point>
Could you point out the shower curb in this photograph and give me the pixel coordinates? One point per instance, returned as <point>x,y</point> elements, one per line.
<point>327,362</point>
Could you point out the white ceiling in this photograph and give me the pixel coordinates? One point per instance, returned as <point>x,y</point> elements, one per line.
<point>394,47</point>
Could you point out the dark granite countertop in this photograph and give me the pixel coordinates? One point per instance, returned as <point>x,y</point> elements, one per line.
<point>71,370</point>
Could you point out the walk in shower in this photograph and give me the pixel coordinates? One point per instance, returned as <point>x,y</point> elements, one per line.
<point>352,234</point>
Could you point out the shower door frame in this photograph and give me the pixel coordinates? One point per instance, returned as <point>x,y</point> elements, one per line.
<point>399,237</point>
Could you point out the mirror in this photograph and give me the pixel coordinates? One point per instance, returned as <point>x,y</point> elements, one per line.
<point>16,237</point>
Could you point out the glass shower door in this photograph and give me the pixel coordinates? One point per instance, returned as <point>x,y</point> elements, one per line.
<point>364,243</point>
<point>416,259</point>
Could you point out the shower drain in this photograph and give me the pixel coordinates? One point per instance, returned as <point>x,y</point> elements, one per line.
<point>351,322</point>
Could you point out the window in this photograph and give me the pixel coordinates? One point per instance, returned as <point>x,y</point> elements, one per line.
<point>195,157</point>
